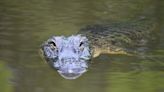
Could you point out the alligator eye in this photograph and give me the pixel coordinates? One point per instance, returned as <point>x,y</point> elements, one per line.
<point>52,45</point>
<point>81,47</point>
<point>81,43</point>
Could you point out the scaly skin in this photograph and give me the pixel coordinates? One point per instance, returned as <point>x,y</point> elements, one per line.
<point>119,38</point>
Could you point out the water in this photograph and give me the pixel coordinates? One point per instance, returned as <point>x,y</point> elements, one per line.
<point>24,25</point>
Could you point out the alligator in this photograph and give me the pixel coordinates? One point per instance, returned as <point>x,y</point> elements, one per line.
<point>70,55</point>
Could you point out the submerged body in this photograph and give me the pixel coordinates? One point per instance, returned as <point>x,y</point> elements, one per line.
<point>119,38</point>
<point>70,55</point>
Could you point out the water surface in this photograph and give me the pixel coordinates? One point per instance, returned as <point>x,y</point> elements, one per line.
<point>24,25</point>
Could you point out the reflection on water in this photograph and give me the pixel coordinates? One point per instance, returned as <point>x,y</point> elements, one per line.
<point>24,25</point>
<point>5,76</point>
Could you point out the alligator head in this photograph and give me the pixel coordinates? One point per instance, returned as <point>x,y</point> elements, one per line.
<point>68,55</point>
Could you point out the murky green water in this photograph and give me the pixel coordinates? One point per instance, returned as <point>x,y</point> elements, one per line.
<point>24,25</point>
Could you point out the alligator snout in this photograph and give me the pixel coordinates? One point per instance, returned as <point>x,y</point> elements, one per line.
<point>71,68</point>
<point>71,73</point>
